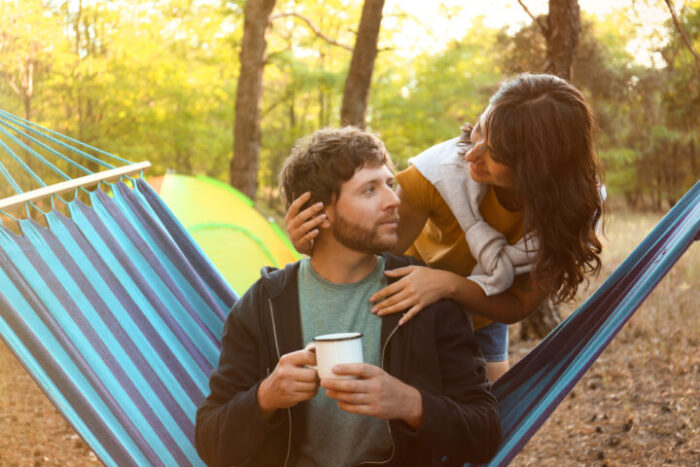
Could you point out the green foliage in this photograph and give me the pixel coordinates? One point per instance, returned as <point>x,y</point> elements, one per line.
<point>156,80</point>
<point>427,99</point>
<point>148,81</point>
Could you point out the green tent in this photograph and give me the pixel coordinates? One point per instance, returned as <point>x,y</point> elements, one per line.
<point>237,238</point>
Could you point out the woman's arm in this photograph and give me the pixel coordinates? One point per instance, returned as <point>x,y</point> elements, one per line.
<point>420,286</point>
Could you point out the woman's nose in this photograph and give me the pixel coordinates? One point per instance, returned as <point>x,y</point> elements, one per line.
<point>472,154</point>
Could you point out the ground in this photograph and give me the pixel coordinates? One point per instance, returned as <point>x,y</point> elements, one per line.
<point>637,405</point>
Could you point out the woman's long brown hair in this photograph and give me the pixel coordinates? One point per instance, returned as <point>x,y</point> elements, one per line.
<point>542,128</point>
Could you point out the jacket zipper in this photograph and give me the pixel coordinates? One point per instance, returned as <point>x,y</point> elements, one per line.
<point>388,425</point>
<point>289,410</point>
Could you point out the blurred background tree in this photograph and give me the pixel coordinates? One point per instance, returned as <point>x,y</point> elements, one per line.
<point>157,80</point>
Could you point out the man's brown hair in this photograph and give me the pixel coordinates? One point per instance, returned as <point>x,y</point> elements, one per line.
<point>323,161</point>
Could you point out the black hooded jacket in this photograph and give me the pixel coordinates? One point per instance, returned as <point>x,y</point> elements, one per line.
<point>435,352</point>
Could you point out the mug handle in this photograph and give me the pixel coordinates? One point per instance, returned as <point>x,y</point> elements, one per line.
<point>312,347</point>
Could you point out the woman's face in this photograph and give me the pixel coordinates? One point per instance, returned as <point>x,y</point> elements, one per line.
<point>483,167</point>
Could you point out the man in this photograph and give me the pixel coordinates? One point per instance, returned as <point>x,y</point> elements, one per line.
<point>420,398</point>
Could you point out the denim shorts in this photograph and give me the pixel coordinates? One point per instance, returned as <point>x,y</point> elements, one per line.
<point>493,341</point>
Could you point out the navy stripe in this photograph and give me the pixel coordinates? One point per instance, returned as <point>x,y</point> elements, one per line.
<point>144,286</point>
<point>154,262</point>
<point>74,395</point>
<point>132,350</point>
<point>538,379</point>
<point>169,248</point>
<point>131,308</point>
<point>101,349</point>
<point>189,247</point>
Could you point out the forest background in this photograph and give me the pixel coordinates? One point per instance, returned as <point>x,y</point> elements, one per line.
<point>157,80</point>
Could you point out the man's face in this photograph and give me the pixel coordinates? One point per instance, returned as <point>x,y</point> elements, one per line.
<point>365,217</point>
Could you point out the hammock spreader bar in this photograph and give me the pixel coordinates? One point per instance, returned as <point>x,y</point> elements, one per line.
<point>71,185</point>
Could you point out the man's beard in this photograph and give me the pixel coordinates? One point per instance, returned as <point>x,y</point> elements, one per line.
<point>357,237</point>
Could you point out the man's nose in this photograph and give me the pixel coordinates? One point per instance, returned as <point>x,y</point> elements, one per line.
<point>392,199</point>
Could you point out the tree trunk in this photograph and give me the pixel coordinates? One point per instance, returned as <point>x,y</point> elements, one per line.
<point>541,321</point>
<point>243,170</point>
<point>28,89</point>
<point>357,84</point>
<point>693,164</point>
<point>562,35</point>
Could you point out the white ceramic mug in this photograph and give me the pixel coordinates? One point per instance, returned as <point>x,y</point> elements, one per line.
<point>334,349</point>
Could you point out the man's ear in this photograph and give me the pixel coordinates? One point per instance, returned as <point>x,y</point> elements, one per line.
<point>329,211</point>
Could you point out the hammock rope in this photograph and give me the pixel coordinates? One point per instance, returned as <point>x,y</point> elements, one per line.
<point>18,124</point>
<point>117,314</point>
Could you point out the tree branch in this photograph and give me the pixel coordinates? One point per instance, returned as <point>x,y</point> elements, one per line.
<point>311,26</point>
<point>537,21</point>
<point>683,34</point>
<point>13,85</point>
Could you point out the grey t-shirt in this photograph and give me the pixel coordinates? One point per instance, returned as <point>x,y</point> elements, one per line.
<point>334,437</point>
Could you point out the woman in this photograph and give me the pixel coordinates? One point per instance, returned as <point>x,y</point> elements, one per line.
<point>504,216</point>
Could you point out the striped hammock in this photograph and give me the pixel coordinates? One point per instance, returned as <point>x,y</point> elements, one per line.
<point>117,315</point>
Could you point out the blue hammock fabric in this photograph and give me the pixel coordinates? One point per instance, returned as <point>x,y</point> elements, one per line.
<point>118,316</point>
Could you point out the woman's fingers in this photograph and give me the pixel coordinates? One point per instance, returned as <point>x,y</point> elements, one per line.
<point>386,292</point>
<point>404,303</point>
<point>307,215</point>
<point>410,313</point>
<point>314,222</point>
<point>402,299</point>
<point>400,272</point>
<point>303,225</point>
<point>295,206</point>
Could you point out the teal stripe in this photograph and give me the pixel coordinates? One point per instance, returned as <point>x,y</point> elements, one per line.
<point>113,304</point>
<point>116,266</point>
<point>175,308</point>
<point>192,293</point>
<point>46,383</point>
<point>221,305</point>
<point>184,286</point>
<point>103,332</point>
<point>62,359</point>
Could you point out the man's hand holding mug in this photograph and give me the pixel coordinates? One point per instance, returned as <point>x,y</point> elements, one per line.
<point>290,383</point>
<point>374,392</point>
